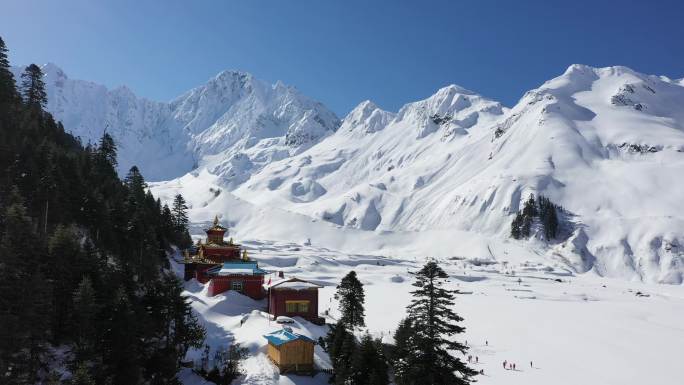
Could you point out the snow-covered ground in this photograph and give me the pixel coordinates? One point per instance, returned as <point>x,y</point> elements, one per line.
<point>574,329</point>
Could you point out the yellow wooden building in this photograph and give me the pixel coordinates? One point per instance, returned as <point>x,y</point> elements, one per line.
<point>291,352</point>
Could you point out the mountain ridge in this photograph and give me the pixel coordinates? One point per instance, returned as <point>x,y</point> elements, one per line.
<point>601,142</point>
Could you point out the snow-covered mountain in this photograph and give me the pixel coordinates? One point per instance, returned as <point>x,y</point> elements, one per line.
<point>232,125</point>
<point>607,144</point>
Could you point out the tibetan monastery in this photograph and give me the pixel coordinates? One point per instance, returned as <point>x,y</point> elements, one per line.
<point>211,254</point>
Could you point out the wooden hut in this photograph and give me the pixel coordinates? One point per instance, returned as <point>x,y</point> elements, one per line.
<point>291,352</point>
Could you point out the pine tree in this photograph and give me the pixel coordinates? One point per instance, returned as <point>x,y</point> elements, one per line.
<point>107,150</point>
<point>403,352</point>
<point>136,186</point>
<point>351,296</point>
<point>370,366</point>
<point>435,325</point>
<point>180,213</point>
<point>121,332</point>
<point>516,226</point>
<point>85,309</point>
<point>530,208</point>
<point>33,87</point>
<point>345,358</point>
<point>8,90</point>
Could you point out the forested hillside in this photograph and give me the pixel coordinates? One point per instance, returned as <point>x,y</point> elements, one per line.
<point>84,293</point>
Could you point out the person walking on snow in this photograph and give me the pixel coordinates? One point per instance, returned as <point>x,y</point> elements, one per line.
<point>513,366</point>
<point>477,359</point>
<point>531,364</point>
<point>504,364</point>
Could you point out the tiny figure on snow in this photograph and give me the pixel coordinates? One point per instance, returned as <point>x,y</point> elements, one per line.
<point>531,364</point>
<point>504,364</point>
<point>487,343</point>
<point>513,366</point>
<point>477,359</point>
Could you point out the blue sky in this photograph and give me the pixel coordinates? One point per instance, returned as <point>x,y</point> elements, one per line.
<point>343,52</point>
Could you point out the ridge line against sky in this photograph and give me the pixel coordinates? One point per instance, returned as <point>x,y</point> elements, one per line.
<point>342,53</point>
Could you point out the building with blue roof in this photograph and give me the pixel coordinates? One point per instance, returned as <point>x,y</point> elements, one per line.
<point>241,276</point>
<point>290,351</point>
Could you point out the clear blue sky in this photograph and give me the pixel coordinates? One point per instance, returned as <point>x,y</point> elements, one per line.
<point>343,52</point>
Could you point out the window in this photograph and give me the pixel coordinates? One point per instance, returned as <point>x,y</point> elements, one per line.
<point>297,306</point>
<point>237,285</point>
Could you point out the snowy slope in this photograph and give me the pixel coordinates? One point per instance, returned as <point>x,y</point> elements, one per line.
<point>232,125</point>
<point>574,329</point>
<point>607,144</point>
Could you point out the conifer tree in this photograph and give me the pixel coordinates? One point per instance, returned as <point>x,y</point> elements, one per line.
<point>345,359</point>
<point>180,213</point>
<point>107,150</point>
<point>33,87</point>
<point>403,351</point>
<point>351,296</point>
<point>85,309</point>
<point>516,226</point>
<point>136,186</point>
<point>435,326</point>
<point>8,90</point>
<point>530,208</point>
<point>370,366</point>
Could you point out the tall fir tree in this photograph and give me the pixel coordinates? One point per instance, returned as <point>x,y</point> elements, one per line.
<point>85,310</point>
<point>180,213</point>
<point>33,87</point>
<point>8,91</point>
<point>370,365</point>
<point>107,150</point>
<point>351,296</point>
<point>435,325</point>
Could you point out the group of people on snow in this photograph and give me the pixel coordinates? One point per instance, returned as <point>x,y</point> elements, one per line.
<point>511,365</point>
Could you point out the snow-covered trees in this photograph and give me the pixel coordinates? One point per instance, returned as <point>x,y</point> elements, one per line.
<point>424,341</point>
<point>542,209</point>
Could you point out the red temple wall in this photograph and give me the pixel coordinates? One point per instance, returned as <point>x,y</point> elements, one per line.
<point>251,285</point>
<point>277,298</point>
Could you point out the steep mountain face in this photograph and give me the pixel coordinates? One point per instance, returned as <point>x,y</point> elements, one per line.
<point>607,144</point>
<point>232,125</point>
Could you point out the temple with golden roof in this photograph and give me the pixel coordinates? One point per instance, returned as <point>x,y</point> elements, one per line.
<point>214,252</point>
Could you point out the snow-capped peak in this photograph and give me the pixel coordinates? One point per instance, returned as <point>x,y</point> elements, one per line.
<point>366,118</point>
<point>452,107</point>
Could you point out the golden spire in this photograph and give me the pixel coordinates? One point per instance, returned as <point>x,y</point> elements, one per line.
<point>244,255</point>
<point>216,222</point>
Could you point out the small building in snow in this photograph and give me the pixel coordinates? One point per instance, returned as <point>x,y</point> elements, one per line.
<point>294,297</point>
<point>290,352</point>
<point>241,276</point>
